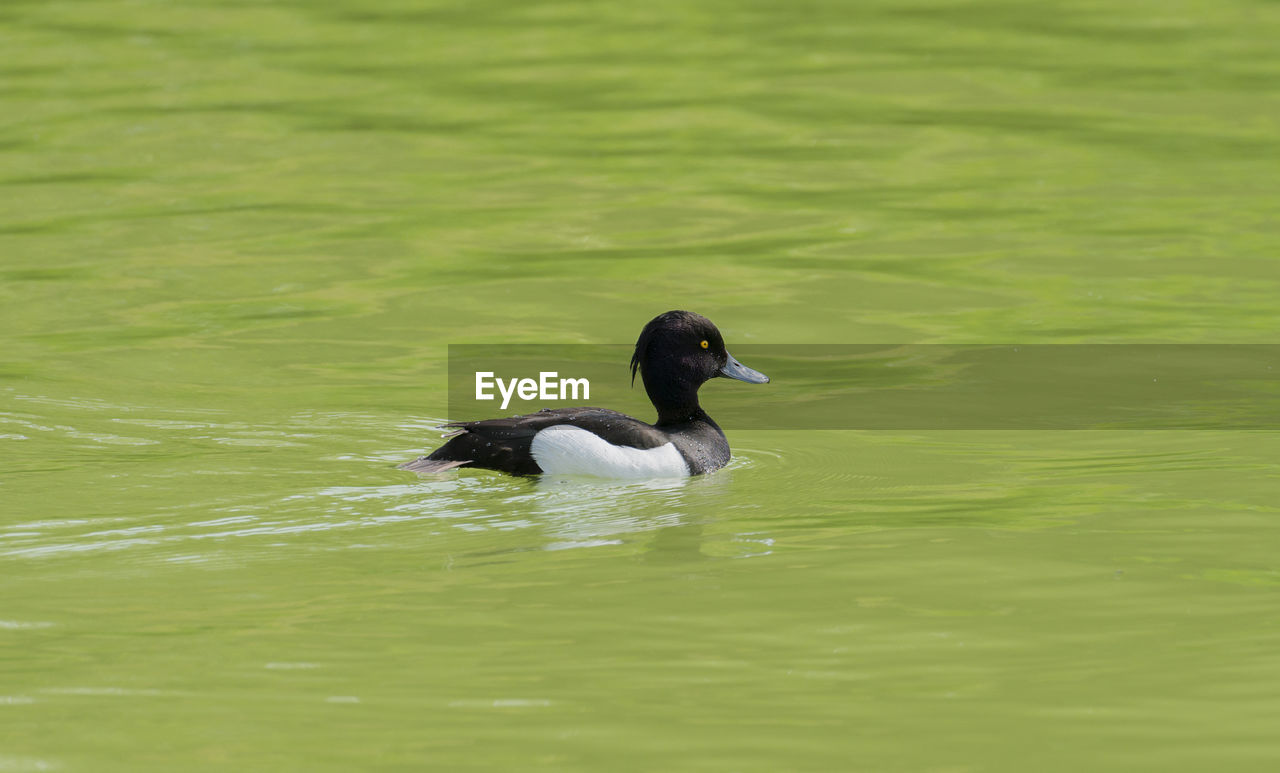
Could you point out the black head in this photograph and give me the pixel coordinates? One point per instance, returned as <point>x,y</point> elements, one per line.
<point>677,353</point>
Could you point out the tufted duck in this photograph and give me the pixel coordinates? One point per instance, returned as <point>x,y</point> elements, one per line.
<point>677,353</point>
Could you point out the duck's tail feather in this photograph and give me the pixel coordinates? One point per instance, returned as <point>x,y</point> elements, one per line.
<point>425,464</point>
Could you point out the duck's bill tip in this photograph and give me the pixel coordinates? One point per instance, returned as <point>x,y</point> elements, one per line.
<point>736,370</point>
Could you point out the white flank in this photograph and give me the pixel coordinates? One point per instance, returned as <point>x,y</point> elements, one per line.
<point>568,450</point>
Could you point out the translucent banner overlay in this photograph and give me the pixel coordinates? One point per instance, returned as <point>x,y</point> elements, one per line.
<point>904,387</point>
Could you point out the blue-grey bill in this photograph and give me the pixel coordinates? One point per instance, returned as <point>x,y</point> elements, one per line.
<point>735,369</point>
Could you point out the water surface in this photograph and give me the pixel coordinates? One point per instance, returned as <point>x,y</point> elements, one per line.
<point>237,238</point>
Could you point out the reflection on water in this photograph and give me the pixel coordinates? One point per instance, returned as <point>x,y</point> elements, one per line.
<point>586,513</point>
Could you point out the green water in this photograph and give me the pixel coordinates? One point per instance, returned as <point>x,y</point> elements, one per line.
<point>236,238</point>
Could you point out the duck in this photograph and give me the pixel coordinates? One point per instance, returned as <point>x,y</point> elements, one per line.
<point>677,352</point>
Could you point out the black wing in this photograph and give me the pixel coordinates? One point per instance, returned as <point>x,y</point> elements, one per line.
<point>505,444</point>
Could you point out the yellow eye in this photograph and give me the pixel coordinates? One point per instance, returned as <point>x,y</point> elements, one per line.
<point>704,344</point>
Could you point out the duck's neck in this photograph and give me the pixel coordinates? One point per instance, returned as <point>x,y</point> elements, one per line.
<point>675,399</point>
<point>671,416</point>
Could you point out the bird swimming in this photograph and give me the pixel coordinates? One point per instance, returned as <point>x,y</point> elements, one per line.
<point>676,353</point>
